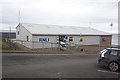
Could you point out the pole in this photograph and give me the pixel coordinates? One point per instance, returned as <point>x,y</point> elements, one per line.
<point>9,32</point>
<point>9,37</point>
<point>19,16</point>
<point>59,43</point>
<point>111,25</point>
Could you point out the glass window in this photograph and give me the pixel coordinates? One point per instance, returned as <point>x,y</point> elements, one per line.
<point>27,38</point>
<point>114,53</point>
<point>118,53</point>
<point>18,32</point>
<point>81,40</point>
<point>70,38</point>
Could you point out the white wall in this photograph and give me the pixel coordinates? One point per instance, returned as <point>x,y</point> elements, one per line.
<point>44,45</point>
<point>23,33</point>
<point>52,39</point>
<point>21,38</point>
<point>87,40</point>
<point>51,44</point>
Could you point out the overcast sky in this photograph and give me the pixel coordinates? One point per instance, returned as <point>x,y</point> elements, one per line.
<point>98,14</point>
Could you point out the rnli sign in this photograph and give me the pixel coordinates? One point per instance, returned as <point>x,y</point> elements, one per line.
<point>43,39</point>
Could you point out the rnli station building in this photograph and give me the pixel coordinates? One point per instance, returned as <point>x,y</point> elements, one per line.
<point>36,36</point>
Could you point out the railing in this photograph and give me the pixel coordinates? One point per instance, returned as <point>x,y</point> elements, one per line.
<point>36,44</point>
<point>57,46</point>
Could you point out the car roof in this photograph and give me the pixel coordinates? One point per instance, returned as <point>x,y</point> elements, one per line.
<point>113,48</point>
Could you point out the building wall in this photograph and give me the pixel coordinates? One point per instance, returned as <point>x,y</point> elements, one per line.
<point>22,33</point>
<point>10,35</point>
<point>50,44</point>
<point>87,40</point>
<point>22,37</point>
<point>52,39</point>
<point>88,43</point>
<point>105,42</point>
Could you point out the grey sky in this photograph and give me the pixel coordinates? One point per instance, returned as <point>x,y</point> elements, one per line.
<point>97,14</point>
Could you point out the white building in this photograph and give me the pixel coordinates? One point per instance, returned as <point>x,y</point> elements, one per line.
<point>36,36</point>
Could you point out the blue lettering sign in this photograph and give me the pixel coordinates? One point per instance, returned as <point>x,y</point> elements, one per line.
<point>43,39</point>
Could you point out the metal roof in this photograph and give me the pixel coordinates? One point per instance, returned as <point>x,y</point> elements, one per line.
<point>61,30</point>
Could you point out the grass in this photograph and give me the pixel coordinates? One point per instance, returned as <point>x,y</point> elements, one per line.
<point>0,44</point>
<point>6,44</point>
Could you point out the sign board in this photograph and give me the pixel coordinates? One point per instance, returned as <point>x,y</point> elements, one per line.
<point>43,39</point>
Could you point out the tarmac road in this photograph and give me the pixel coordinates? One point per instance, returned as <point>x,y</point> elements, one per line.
<point>54,66</point>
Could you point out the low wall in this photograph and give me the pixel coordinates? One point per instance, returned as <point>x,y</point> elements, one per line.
<point>88,49</point>
<point>37,45</point>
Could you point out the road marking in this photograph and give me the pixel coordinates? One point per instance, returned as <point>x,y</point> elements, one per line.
<point>35,54</point>
<point>22,54</point>
<point>59,75</point>
<point>108,72</point>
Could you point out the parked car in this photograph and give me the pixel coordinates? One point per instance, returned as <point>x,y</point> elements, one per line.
<point>110,57</point>
<point>63,45</point>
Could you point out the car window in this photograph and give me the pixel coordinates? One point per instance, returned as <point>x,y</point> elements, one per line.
<point>119,53</point>
<point>114,53</point>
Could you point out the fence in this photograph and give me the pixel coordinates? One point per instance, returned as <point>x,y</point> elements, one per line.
<point>37,45</point>
<point>56,46</point>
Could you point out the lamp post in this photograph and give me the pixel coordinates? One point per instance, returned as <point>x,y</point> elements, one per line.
<point>80,41</point>
<point>111,25</point>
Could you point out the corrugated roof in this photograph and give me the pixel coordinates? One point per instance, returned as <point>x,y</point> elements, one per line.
<point>61,30</point>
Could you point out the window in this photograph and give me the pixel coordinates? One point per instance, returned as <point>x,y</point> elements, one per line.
<point>18,33</point>
<point>103,39</point>
<point>70,38</point>
<point>119,53</point>
<point>114,53</point>
<point>81,40</point>
<point>27,38</point>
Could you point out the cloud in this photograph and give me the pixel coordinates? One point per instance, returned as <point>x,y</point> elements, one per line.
<point>61,12</point>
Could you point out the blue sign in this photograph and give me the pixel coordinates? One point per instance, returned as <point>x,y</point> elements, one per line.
<point>43,39</point>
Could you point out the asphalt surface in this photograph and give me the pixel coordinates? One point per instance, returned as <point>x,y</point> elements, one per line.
<point>54,66</point>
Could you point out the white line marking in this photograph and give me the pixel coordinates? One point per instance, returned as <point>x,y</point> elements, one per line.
<point>108,72</point>
<point>36,54</point>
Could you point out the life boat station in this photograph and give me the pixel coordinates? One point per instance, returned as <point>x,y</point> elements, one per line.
<point>37,36</point>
